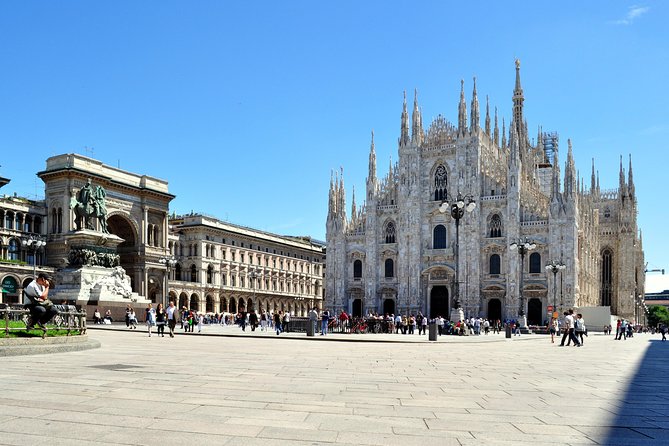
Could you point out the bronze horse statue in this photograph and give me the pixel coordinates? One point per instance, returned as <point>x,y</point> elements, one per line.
<point>88,206</point>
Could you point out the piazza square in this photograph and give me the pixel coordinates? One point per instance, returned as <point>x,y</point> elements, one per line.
<point>225,386</point>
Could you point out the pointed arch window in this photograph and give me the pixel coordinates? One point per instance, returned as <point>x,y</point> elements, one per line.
<point>390,232</point>
<point>495,264</point>
<point>357,269</point>
<point>440,183</point>
<point>495,229</point>
<point>439,237</point>
<point>390,268</point>
<point>535,262</point>
<point>607,278</point>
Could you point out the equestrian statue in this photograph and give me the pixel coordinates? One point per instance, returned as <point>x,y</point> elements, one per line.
<point>89,205</point>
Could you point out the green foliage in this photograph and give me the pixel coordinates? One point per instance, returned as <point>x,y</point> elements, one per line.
<point>658,314</point>
<point>13,262</point>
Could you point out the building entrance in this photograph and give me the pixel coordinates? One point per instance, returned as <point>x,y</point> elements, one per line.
<point>439,302</point>
<point>389,306</point>
<point>494,310</point>
<point>356,311</point>
<point>534,316</point>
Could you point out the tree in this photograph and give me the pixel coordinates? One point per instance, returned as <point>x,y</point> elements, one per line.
<point>658,314</point>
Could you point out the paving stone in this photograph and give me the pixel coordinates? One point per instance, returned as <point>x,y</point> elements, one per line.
<point>257,390</point>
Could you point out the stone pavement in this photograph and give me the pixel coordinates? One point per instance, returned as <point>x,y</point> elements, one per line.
<point>275,390</point>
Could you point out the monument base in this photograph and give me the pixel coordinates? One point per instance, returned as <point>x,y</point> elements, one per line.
<point>457,315</point>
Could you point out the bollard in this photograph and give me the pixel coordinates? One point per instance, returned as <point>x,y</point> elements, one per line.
<point>508,331</point>
<point>432,335</point>
<point>311,328</point>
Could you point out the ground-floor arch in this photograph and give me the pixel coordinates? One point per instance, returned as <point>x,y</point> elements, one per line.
<point>389,306</point>
<point>534,313</point>
<point>439,302</point>
<point>494,310</point>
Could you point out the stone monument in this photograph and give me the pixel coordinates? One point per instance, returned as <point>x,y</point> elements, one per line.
<point>93,275</point>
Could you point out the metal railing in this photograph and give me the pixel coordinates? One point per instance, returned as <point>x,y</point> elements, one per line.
<point>67,318</point>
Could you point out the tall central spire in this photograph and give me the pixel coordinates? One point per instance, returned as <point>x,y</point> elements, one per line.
<point>475,121</point>
<point>416,122</point>
<point>518,99</point>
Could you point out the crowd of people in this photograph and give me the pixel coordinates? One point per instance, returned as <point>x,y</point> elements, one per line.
<point>572,326</point>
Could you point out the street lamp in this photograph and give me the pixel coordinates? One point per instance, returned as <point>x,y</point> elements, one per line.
<point>457,209</point>
<point>555,266</point>
<point>523,247</point>
<point>253,275</point>
<point>33,244</point>
<point>169,263</point>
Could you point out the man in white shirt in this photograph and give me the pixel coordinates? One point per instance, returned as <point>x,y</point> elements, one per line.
<point>37,295</point>
<point>171,318</point>
<point>569,327</point>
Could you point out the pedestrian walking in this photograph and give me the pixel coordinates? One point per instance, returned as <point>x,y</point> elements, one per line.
<point>150,318</point>
<point>277,322</point>
<point>171,318</point>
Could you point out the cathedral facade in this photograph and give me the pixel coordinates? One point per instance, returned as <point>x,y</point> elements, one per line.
<point>400,252</point>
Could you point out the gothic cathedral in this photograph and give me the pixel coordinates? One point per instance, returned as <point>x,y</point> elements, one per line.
<point>464,220</point>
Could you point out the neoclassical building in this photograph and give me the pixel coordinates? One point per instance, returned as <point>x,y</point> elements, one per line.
<point>397,252</point>
<point>21,220</point>
<point>221,267</point>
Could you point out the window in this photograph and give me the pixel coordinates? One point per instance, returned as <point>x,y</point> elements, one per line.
<point>210,273</point>
<point>607,278</point>
<point>193,273</point>
<point>14,249</point>
<point>495,226</point>
<point>439,237</point>
<point>390,268</point>
<point>390,232</point>
<point>494,264</point>
<point>535,262</point>
<point>357,269</point>
<point>177,272</point>
<point>440,183</point>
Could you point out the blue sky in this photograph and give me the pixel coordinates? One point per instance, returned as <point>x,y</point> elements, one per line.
<point>246,107</point>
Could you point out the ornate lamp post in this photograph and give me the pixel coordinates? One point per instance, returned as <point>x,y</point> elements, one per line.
<point>253,275</point>
<point>555,266</point>
<point>457,210</point>
<point>169,263</point>
<point>523,247</point>
<point>33,244</point>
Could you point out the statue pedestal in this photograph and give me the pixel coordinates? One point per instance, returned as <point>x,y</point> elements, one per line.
<point>457,314</point>
<point>94,277</point>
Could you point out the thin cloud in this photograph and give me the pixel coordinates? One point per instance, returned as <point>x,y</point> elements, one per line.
<point>632,14</point>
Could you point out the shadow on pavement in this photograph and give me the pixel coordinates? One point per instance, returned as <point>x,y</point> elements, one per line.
<point>642,415</point>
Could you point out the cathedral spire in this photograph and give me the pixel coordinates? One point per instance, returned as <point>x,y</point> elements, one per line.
<point>593,184</point>
<point>331,196</point>
<point>462,111</point>
<point>417,122</point>
<point>495,132</point>
<point>503,134</point>
<point>622,192</point>
<point>371,176</point>
<point>570,187</point>
<point>404,137</point>
<point>342,196</point>
<point>518,99</point>
<point>556,176</point>
<point>630,180</point>
<point>475,120</point>
<point>354,211</point>
<point>487,116</point>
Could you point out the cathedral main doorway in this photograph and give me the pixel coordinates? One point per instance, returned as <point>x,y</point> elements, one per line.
<point>439,302</point>
<point>534,316</point>
<point>356,311</point>
<point>389,306</point>
<point>494,310</point>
